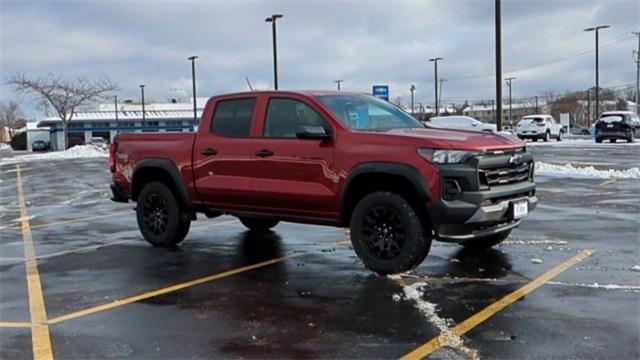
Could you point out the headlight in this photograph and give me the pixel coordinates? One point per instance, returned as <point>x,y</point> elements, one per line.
<point>446,156</point>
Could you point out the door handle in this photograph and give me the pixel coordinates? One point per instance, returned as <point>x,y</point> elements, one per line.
<point>209,152</point>
<point>264,153</point>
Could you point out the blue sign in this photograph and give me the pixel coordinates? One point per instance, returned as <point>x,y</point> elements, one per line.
<point>381,91</point>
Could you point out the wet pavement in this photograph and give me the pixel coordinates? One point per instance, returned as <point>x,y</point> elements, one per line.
<point>309,296</point>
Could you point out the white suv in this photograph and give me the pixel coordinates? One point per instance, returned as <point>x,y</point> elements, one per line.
<point>536,127</point>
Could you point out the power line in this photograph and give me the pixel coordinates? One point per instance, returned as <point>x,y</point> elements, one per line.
<point>621,38</point>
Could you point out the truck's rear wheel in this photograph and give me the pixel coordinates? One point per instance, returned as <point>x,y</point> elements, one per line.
<point>161,220</point>
<point>486,242</point>
<point>259,224</point>
<point>387,234</point>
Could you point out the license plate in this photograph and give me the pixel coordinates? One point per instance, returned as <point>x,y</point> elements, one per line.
<point>610,125</point>
<point>520,209</point>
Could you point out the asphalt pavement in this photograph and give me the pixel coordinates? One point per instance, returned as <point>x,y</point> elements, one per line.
<point>300,291</point>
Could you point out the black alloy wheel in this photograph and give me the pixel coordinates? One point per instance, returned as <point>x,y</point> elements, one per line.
<point>384,233</point>
<point>155,213</point>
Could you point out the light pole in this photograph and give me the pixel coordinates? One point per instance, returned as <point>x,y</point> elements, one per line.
<point>193,81</point>
<point>144,122</point>
<point>498,31</point>
<point>596,29</point>
<point>435,81</point>
<point>115,105</point>
<point>272,19</point>
<point>509,80</point>
<point>412,88</point>
<point>338,82</point>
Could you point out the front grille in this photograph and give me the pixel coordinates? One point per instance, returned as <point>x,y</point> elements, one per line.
<point>503,175</point>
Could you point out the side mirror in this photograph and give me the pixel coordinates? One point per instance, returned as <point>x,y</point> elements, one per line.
<point>312,132</point>
<point>474,124</point>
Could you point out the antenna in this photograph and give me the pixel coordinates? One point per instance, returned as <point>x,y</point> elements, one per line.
<point>249,83</point>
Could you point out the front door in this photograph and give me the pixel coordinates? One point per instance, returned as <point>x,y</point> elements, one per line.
<point>294,177</point>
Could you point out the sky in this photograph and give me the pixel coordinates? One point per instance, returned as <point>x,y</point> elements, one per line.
<point>363,42</point>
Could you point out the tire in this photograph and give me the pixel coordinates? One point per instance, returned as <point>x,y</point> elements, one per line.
<point>599,140</point>
<point>259,224</point>
<point>559,138</point>
<point>613,140</point>
<point>161,220</point>
<point>630,139</point>
<point>486,242</point>
<point>387,234</point>
<point>535,139</point>
<point>546,137</point>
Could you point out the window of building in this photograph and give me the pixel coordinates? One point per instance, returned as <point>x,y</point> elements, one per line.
<point>150,126</point>
<point>284,116</point>
<point>232,118</point>
<point>173,126</point>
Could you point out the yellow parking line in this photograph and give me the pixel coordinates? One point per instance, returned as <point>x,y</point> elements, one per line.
<point>40,337</point>
<point>14,324</point>
<point>169,289</point>
<point>461,329</point>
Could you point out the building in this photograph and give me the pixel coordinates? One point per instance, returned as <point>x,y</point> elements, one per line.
<point>487,112</point>
<point>101,122</point>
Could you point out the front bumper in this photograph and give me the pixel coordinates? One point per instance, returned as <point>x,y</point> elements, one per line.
<point>482,201</point>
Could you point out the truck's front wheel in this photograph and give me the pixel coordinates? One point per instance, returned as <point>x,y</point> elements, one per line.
<point>486,242</point>
<point>387,234</point>
<point>161,219</point>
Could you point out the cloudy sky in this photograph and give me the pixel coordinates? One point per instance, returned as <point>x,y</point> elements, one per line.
<point>363,42</point>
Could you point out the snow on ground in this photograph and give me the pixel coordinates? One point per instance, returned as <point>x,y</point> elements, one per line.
<point>76,152</point>
<point>4,146</point>
<point>589,172</point>
<point>582,142</point>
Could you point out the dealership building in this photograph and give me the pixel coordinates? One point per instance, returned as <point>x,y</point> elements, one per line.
<point>107,122</point>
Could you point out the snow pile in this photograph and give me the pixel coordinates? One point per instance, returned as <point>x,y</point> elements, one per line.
<point>570,171</point>
<point>76,152</point>
<point>4,146</point>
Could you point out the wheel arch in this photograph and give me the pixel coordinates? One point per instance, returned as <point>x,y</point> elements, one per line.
<point>163,170</point>
<point>403,179</point>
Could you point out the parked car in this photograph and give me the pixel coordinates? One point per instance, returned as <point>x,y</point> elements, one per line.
<point>40,145</point>
<point>460,123</point>
<point>537,127</point>
<point>577,129</point>
<point>98,142</point>
<point>333,158</point>
<point>614,125</point>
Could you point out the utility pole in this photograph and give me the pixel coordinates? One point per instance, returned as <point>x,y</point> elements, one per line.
<point>338,83</point>
<point>435,81</point>
<point>509,80</point>
<point>412,88</point>
<point>440,92</point>
<point>537,111</point>
<point>193,82</point>
<point>636,58</point>
<point>272,19</point>
<point>588,107</point>
<point>115,105</point>
<point>597,29</point>
<point>498,31</point>
<point>144,121</point>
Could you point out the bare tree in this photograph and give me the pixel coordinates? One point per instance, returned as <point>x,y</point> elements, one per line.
<point>12,117</point>
<point>63,96</point>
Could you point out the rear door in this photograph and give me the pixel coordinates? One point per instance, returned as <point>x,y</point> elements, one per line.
<point>222,154</point>
<point>293,177</point>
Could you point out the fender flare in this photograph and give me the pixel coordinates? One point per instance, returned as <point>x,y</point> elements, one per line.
<point>170,168</point>
<point>403,170</point>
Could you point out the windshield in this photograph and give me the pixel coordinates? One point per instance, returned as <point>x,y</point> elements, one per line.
<point>368,113</point>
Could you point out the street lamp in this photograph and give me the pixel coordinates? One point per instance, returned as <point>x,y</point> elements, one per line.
<point>435,71</point>
<point>412,88</point>
<point>115,104</point>
<point>272,19</point>
<point>143,114</point>
<point>498,33</point>
<point>596,29</point>
<point>193,81</point>
<point>338,82</point>
<point>509,80</point>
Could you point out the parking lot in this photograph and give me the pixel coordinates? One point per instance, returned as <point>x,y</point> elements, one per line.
<point>78,281</point>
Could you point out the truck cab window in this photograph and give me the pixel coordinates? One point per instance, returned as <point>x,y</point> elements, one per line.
<point>285,115</point>
<point>232,118</point>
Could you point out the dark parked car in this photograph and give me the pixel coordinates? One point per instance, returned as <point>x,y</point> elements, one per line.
<point>40,145</point>
<point>73,141</point>
<point>614,125</point>
<point>578,130</point>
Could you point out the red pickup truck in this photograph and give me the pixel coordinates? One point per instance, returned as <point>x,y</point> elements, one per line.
<point>332,158</point>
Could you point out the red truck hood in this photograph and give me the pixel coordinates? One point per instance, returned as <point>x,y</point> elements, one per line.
<point>460,139</point>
